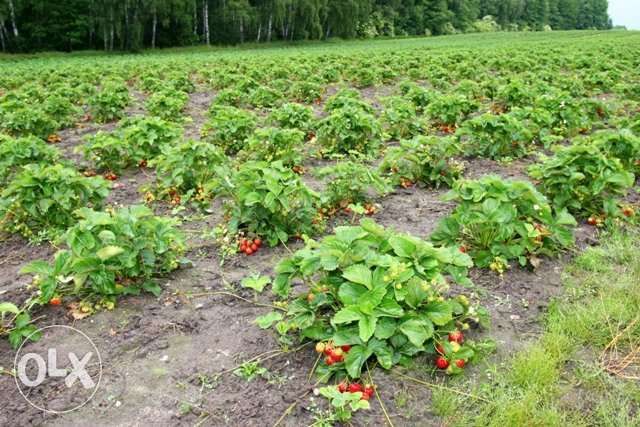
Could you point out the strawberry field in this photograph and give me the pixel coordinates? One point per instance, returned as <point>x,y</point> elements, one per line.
<point>353,233</point>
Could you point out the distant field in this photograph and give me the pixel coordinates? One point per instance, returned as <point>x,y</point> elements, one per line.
<point>472,198</point>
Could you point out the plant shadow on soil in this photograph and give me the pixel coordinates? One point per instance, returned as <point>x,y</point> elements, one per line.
<point>162,356</point>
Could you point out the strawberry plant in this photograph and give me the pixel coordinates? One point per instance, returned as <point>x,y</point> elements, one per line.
<point>147,136</point>
<point>347,98</point>
<point>229,128</point>
<point>305,91</point>
<point>622,145</point>
<point>293,116</point>
<point>109,103</point>
<point>20,119</point>
<point>419,96</point>
<point>271,144</point>
<point>107,152</point>
<point>427,160</point>
<point>230,97</point>
<point>16,153</point>
<point>188,171</point>
<point>110,254</point>
<point>351,183</point>
<point>264,97</point>
<point>168,104</point>
<point>61,110</point>
<point>582,179</point>
<point>349,131</point>
<point>496,137</point>
<point>400,119</point>
<point>269,200</point>
<point>503,219</point>
<point>450,109</point>
<point>378,293</point>
<point>40,201</point>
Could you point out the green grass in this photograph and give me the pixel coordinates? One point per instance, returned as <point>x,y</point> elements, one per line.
<point>559,380</point>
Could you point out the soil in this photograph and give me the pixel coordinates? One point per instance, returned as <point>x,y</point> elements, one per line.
<point>169,360</point>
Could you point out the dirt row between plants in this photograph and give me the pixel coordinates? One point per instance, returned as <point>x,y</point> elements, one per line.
<point>167,360</point>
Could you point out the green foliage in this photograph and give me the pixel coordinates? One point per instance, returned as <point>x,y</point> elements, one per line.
<point>582,179</point>
<point>109,103</point>
<point>41,200</point>
<point>271,144</point>
<point>347,98</point>
<point>379,291</point>
<point>189,170</point>
<point>400,119</point>
<point>168,104</point>
<point>305,91</point>
<point>111,254</point>
<point>496,136</point>
<point>20,119</point>
<point>16,153</point>
<point>349,131</point>
<point>351,183</point>
<point>147,136</point>
<point>269,200</point>
<point>107,152</point>
<point>622,145</point>
<point>424,159</point>
<point>450,109</point>
<point>344,404</point>
<point>136,140</point>
<point>229,128</point>
<point>293,116</point>
<point>503,219</point>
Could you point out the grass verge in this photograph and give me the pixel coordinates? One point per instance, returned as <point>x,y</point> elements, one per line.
<point>585,368</point>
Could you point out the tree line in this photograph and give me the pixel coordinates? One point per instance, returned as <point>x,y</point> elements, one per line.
<point>30,25</point>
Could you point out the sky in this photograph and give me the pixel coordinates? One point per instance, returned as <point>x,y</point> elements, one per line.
<point>625,12</point>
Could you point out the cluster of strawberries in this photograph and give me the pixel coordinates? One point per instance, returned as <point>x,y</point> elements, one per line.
<point>249,247</point>
<point>332,354</point>
<point>366,390</point>
<point>456,338</point>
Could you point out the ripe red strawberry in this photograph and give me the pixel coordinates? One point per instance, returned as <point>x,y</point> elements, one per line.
<point>456,336</point>
<point>355,387</point>
<point>460,363</point>
<point>257,241</point>
<point>254,247</point>
<point>249,251</point>
<point>463,249</point>
<point>442,363</point>
<point>365,396</point>
<point>628,212</point>
<point>369,390</point>
<point>55,301</point>
<point>110,176</point>
<point>328,349</point>
<point>342,387</point>
<point>329,360</point>
<point>346,348</point>
<point>592,221</point>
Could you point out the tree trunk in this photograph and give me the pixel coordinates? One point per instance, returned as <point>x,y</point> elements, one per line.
<point>205,21</point>
<point>259,33</point>
<point>105,37</point>
<point>241,29</point>
<point>4,48</point>
<point>153,28</point>
<point>195,18</point>
<point>12,12</point>
<point>112,29</point>
<point>269,28</point>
